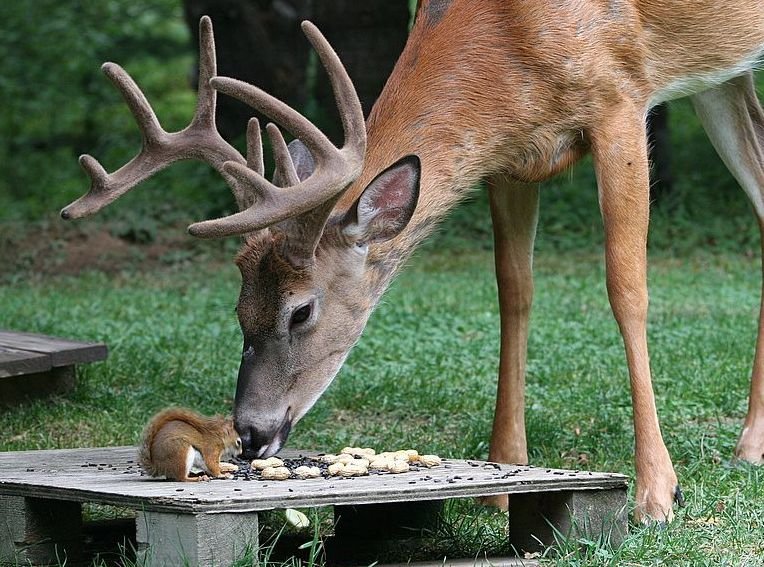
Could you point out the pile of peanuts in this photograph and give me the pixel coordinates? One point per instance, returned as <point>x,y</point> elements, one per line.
<point>273,468</point>
<point>351,461</point>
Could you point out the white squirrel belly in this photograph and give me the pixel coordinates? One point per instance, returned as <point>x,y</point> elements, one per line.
<point>191,458</point>
<point>195,462</point>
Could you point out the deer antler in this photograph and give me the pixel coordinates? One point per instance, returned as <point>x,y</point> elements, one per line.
<point>335,168</point>
<point>306,202</point>
<point>200,140</point>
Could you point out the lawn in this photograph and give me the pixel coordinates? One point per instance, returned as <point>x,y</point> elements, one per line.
<point>423,375</point>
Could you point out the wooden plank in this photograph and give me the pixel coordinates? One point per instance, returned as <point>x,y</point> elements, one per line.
<point>111,476</point>
<point>15,362</point>
<point>194,540</point>
<point>63,352</point>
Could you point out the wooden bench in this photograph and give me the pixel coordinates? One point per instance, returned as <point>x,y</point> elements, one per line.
<point>37,365</point>
<point>212,523</point>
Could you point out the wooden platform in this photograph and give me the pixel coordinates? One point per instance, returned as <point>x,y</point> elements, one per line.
<point>210,523</point>
<point>38,365</point>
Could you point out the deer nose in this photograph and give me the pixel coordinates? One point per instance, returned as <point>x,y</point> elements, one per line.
<point>260,443</point>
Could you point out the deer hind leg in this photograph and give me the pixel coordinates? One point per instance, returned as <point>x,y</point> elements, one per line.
<point>619,148</point>
<point>733,118</point>
<point>514,212</point>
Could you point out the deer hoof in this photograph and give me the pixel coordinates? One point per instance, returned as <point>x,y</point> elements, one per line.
<point>655,501</point>
<point>750,446</point>
<point>679,497</point>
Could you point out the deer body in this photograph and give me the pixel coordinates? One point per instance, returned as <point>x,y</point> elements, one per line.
<point>495,90</point>
<point>521,97</point>
<point>508,91</point>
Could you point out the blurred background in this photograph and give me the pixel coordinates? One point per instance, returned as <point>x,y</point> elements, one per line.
<point>57,105</point>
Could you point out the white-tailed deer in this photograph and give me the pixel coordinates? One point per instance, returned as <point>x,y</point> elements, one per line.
<point>512,92</point>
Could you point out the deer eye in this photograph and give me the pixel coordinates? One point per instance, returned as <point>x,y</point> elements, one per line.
<point>301,314</point>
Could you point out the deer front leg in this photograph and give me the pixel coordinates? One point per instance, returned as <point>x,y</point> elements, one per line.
<point>514,212</point>
<point>619,148</point>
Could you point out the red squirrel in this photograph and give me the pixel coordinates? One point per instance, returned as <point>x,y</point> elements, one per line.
<point>177,440</point>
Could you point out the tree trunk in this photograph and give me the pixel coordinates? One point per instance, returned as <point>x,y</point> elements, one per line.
<point>368,35</point>
<point>260,41</point>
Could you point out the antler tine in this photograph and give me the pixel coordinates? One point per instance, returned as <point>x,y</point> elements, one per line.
<point>351,112</point>
<point>255,147</point>
<point>200,140</point>
<point>208,68</point>
<point>278,111</point>
<point>136,101</point>
<point>335,168</point>
<point>285,174</point>
<point>105,188</point>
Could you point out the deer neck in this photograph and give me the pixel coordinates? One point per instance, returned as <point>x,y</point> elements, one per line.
<point>443,183</point>
<point>446,118</point>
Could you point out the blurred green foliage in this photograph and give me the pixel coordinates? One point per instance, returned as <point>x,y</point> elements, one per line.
<point>57,105</point>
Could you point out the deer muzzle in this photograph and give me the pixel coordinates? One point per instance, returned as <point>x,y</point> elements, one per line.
<point>262,413</point>
<point>258,441</point>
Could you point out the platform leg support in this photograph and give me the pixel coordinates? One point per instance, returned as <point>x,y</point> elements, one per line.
<point>39,531</point>
<point>19,389</point>
<point>195,540</point>
<point>537,519</point>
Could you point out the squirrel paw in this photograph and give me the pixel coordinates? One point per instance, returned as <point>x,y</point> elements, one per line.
<point>198,478</point>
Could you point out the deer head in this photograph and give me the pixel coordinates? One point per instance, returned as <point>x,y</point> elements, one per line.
<point>306,293</point>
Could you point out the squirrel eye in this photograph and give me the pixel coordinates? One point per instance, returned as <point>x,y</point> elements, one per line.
<point>301,314</point>
<point>238,442</point>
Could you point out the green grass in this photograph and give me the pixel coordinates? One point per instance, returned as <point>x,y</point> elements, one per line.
<point>423,375</point>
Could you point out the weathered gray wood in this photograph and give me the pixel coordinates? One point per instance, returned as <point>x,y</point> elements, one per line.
<point>203,523</point>
<point>111,476</point>
<point>206,540</point>
<point>536,519</point>
<point>62,352</point>
<point>39,531</point>
<point>34,366</point>
<point>16,389</point>
<point>14,362</point>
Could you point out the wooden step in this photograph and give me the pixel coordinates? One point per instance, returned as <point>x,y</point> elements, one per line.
<point>27,353</point>
<point>35,366</point>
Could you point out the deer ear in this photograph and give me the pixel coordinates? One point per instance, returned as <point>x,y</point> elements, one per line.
<point>303,164</point>
<point>386,205</point>
<point>302,159</point>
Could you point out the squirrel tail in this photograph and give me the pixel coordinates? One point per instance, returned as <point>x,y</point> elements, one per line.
<point>144,458</point>
<point>152,429</point>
